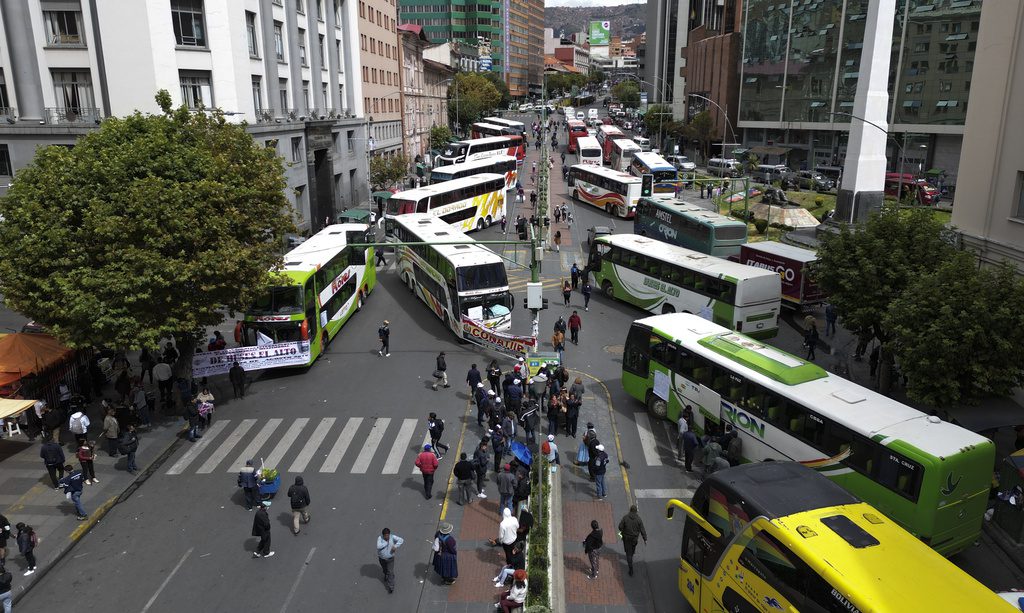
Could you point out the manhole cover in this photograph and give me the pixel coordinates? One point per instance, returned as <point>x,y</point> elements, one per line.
<point>615,349</point>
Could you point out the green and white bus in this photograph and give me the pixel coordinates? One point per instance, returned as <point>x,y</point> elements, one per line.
<point>322,283</point>
<point>930,476</point>
<point>457,282</point>
<point>689,225</point>
<point>663,278</point>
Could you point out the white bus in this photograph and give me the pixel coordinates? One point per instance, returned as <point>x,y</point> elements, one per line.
<point>482,129</point>
<point>479,148</point>
<point>588,151</point>
<point>663,278</point>
<point>471,203</point>
<point>456,281</point>
<point>516,127</point>
<point>499,164</point>
<point>623,151</point>
<point>606,188</point>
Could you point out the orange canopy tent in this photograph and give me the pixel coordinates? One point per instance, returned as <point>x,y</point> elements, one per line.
<point>22,354</point>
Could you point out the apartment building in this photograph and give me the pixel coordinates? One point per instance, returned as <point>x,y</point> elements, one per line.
<point>287,68</point>
<point>478,23</point>
<point>378,55</point>
<point>517,52</point>
<point>426,68</point>
<point>535,47</point>
<point>566,51</point>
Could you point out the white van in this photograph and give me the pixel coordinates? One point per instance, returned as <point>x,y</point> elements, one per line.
<point>643,142</point>
<point>580,116</point>
<point>724,167</point>
<point>769,173</point>
<point>592,114</point>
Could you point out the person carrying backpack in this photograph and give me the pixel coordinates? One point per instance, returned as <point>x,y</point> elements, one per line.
<point>78,424</point>
<point>435,426</point>
<point>86,454</point>
<point>298,495</point>
<point>27,541</point>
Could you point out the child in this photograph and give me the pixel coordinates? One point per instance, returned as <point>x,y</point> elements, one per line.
<point>27,542</point>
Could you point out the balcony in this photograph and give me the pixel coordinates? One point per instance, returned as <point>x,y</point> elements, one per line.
<point>8,113</point>
<point>73,115</point>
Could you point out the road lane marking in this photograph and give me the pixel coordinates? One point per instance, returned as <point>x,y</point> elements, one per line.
<point>295,586</point>
<point>341,445</point>
<point>198,447</point>
<point>400,449</point>
<point>373,440</point>
<point>167,580</point>
<point>286,441</point>
<point>684,494</point>
<point>225,448</point>
<point>426,441</point>
<point>647,441</point>
<point>318,436</point>
<point>255,444</point>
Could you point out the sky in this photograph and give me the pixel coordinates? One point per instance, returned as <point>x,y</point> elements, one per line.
<point>591,2</point>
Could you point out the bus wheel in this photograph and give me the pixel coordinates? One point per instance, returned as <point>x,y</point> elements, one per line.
<point>575,194</point>
<point>610,209</point>
<point>359,302</point>
<point>667,308</point>
<point>657,407</point>
<point>325,340</point>
<point>480,224</point>
<point>412,284</point>
<point>608,290</point>
<point>488,221</point>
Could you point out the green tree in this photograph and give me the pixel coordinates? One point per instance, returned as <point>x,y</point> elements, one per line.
<point>440,136</point>
<point>147,227</point>
<point>658,120</point>
<point>700,129</point>
<point>470,97</point>
<point>596,76</point>
<point>499,83</point>
<point>385,171</point>
<point>628,93</point>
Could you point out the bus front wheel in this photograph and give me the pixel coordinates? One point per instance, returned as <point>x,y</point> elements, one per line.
<point>657,407</point>
<point>480,224</point>
<point>610,209</point>
<point>359,302</point>
<point>608,290</point>
<point>667,308</point>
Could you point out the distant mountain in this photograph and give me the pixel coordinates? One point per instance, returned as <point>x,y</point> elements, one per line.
<point>627,19</point>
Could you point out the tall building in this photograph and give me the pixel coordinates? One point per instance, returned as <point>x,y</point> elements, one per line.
<point>378,43</point>
<point>535,48</point>
<point>710,63</point>
<point>666,37</point>
<point>425,68</point>
<point>988,207</point>
<point>476,22</point>
<point>285,67</point>
<point>517,53</point>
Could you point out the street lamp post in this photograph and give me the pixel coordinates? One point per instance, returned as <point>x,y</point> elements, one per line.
<point>902,148</point>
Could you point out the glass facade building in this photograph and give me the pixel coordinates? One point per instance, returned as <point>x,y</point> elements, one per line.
<point>469,21</point>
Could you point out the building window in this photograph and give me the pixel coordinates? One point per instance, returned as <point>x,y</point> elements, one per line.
<point>302,48</point>
<point>296,148</point>
<point>305,95</point>
<point>1020,193</point>
<point>323,96</point>
<point>257,93</point>
<point>64,28</point>
<point>250,28</point>
<point>350,139</point>
<point>362,7</point>
<point>282,91</point>
<point>320,9</point>
<point>187,19</point>
<point>4,104</point>
<point>323,59</point>
<point>299,7</point>
<point>73,90</point>
<point>5,161</point>
<point>196,91</point>
<point>279,41</point>
<point>337,14</point>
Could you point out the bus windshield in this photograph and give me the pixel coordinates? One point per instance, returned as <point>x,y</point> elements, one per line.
<point>482,276</point>
<point>397,206</point>
<point>665,175</point>
<point>282,300</point>
<point>455,150</point>
<point>483,308</point>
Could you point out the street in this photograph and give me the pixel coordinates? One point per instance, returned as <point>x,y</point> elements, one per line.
<point>351,425</point>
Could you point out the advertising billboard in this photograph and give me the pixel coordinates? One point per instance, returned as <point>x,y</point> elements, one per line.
<point>600,32</point>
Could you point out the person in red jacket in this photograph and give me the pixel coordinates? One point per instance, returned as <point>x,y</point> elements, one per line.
<point>575,323</point>
<point>426,461</point>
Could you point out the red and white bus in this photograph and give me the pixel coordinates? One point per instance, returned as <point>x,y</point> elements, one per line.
<point>480,148</point>
<point>922,192</point>
<point>605,188</point>
<point>499,164</point>
<point>605,136</point>
<point>482,129</point>
<point>515,127</point>
<point>576,130</point>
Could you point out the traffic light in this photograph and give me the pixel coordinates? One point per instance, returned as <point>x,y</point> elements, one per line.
<point>646,186</point>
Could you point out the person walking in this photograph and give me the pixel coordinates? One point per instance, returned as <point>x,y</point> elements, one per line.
<point>165,381</point>
<point>592,547</point>
<point>566,292</point>
<point>446,554</point>
<point>531,419</point>
<point>600,467</point>
<point>298,496</point>
<point>574,275</point>
<point>506,488</point>
<point>473,377</point>
<point>384,334</point>
<point>440,371</point>
<point>435,426</point>
<point>237,377</point>
<point>27,541</point>
<point>426,461</point>
<point>381,260</point>
<point>587,290</point>
<point>465,476</point>
<point>261,528</point>
<point>387,546</point>
<point>494,377</point>
<point>631,528</point>
<point>86,454</point>
<point>480,460</point>
<point>53,458</point>
<point>830,319</point>
<point>78,424</point>
<point>575,325</point>
<point>811,341</point>
<point>250,487</point>
<point>192,417</point>
<point>558,239</point>
<point>557,343</point>
<point>112,432</point>
<point>72,484</point>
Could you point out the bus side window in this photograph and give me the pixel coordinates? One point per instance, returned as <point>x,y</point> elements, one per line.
<point>720,381</point>
<point>780,568</point>
<point>422,204</point>
<point>753,399</point>
<point>774,408</point>
<point>734,390</point>
<point>686,364</point>
<point>701,371</point>
<point>310,299</point>
<point>636,354</point>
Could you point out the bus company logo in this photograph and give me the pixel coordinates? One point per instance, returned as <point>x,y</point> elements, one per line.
<point>668,231</point>
<point>663,215</point>
<point>741,419</point>
<point>339,281</point>
<point>787,274</point>
<point>951,485</point>
<point>849,606</point>
<point>773,602</point>
<point>661,287</point>
<point>274,318</point>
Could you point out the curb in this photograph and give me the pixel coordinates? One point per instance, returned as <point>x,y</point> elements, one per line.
<point>556,591</point>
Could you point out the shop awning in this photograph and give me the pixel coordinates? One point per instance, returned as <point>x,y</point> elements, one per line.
<point>11,407</point>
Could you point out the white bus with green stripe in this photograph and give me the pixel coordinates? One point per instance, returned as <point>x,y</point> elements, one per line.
<point>663,278</point>
<point>931,476</point>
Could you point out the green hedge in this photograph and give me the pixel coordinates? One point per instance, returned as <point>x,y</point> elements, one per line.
<point>537,548</point>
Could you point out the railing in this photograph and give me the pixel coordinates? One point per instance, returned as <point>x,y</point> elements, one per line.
<point>8,112</point>
<point>73,115</point>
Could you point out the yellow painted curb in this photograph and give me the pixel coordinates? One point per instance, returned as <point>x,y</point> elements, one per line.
<point>94,518</point>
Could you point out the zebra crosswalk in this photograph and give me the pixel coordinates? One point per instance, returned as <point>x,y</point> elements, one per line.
<point>326,445</point>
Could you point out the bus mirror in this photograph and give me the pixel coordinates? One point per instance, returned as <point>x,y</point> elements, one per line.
<point>673,504</point>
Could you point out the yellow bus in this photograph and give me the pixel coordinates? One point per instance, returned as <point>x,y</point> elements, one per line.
<point>778,536</point>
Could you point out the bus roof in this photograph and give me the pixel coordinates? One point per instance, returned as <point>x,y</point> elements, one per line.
<point>779,489</point>
<point>858,408</point>
<point>505,122</point>
<point>431,229</point>
<point>485,124</point>
<point>488,139</point>
<point>791,252</point>
<point>708,264</point>
<point>625,144</point>
<point>587,140</point>
<point>481,163</point>
<point>609,130</point>
<point>653,161</point>
<point>318,249</point>
<point>610,173</point>
<point>693,211</point>
<point>576,123</point>
<point>447,186</point>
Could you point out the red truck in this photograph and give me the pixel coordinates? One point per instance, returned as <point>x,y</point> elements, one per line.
<point>792,263</point>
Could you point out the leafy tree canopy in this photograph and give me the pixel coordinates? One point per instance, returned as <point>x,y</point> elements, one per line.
<point>440,136</point>
<point>700,129</point>
<point>658,119</point>
<point>499,83</point>
<point>146,228</point>
<point>627,92</point>
<point>470,97</point>
<point>597,76</point>
<point>385,171</point>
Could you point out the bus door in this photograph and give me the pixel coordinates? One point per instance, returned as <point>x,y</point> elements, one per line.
<point>700,394</point>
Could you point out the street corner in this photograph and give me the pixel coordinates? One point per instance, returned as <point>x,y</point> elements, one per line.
<point>577,515</point>
<point>607,589</point>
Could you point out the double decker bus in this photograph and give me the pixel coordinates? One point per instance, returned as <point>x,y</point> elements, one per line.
<point>322,283</point>
<point>588,151</point>
<point>470,203</point>
<point>623,151</point>
<point>577,129</point>
<point>605,135</point>
<point>482,129</point>
<point>928,475</point>
<point>515,127</point>
<point>666,177</point>
<point>690,226</point>
<point>615,192</point>
<point>479,148</point>
<point>499,164</point>
<point>778,536</point>
<point>456,281</point>
<point>663,278</point>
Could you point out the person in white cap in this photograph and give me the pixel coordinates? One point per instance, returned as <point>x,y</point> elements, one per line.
<point>600,462</point>
<point>484,406</point>
<point>552,450</point>
<point>261,528</point>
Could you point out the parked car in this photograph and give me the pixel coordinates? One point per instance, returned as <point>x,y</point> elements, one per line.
<point>810,179</point>
<point>681,162</point>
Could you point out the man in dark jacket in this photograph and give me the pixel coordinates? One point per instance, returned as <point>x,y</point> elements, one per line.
<point>472,378</point>
<point>435,427</point>
<point>52,421</point>
<point>480,460</point>
<point>506,488</point>
<point>465,475</point>
<point>298,494</point>
<point>72,483</point>
<point>250,488</point>
<point>128,445</point>
<point>514,396</point>
<point>237,377</point>
<point>485,407</point>
<point>598,467</point>
<point>592,547</point>
<point>261,528</point>
<point>5,533</point>
<point>192,416</point>
<point>440,371</point>
<point>53,458</point>
<point>631,527</point>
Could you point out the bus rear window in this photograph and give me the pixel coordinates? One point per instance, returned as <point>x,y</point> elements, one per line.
<point>666,175</point>
<point>484,276</point>
<point>731,233</point>
<point>401,207</point>
<point>284,300</point>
